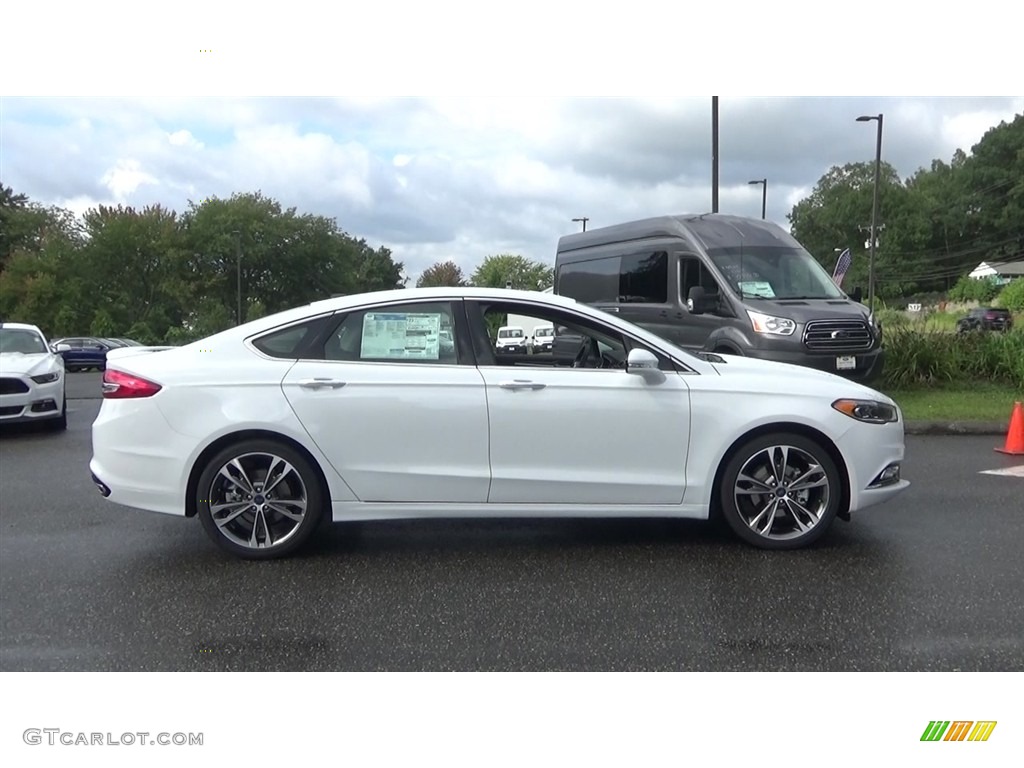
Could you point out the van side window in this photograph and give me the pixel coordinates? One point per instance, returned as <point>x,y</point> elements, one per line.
<point>693,273</point>
<point>643,278</point>
<point>591,282</point>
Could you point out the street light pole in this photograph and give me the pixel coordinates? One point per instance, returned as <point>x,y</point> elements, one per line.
<point>583,219</point>
<point>238,265</point>
<point>874,208</point>
<point>714,154</point>
<point>764,194</point>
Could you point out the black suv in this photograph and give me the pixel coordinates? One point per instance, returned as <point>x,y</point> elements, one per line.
<point>985,319</point>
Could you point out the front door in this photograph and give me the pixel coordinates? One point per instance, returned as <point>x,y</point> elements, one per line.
<point>585,434</point>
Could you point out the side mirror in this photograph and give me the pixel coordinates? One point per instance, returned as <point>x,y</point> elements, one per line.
<point>857,295</point>
<point>641,361</point>
<point>698,302</point>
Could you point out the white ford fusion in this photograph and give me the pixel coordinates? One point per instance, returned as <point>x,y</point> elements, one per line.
<point>31,378</point>
<point>395,405</point>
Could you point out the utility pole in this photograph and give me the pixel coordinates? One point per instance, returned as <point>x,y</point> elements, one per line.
<point>238,266</point>
<point>583,219</point>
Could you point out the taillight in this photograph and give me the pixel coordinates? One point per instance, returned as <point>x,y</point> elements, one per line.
<point>117,384</point>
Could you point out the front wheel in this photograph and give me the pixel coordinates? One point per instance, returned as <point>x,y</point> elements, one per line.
<point>61,422</point>
<point>780,491</point>
<point>259,499</point>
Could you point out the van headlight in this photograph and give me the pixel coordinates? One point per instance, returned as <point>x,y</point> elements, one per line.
<point>776,326</point>
<point>868,411</point>
<point>46,378</point>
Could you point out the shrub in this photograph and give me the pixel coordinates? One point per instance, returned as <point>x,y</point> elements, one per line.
<point>1012,296</point>
<point>968,289</point>
<point>922,358</point>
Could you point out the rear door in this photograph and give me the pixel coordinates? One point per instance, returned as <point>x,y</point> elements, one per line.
<point>397,406</point>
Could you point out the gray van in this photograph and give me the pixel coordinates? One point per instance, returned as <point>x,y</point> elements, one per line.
<point>724,284</point>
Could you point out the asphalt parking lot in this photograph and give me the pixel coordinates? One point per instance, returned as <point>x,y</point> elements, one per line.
<point>931,581</point>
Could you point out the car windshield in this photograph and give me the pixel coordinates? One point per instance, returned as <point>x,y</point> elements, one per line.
<point>509,334</point>
<point>21,340</point>
<point>770,272</point>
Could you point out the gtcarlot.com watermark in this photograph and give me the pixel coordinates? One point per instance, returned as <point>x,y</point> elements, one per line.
<point>57,737</point>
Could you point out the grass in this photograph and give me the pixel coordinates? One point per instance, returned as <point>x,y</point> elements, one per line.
<point>982,402</point>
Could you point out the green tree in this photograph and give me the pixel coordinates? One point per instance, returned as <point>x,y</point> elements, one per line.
<point>443,273</point>
<point>374,270</point>
<point>132,265</point>
<point>503,269</point>
<point>38,247</point>
<point>102,323</point>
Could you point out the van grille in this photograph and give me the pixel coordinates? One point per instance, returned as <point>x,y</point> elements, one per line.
<point>837,335</point>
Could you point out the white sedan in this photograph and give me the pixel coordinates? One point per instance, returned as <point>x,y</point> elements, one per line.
<point>31,378</point>
<point>358,408</point>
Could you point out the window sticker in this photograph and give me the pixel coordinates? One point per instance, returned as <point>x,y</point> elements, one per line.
<point>762,290</point>
<point>401,336</point>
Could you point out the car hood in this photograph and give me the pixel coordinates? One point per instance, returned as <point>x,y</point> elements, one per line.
<point>33,364</point>
<point>771,376</point>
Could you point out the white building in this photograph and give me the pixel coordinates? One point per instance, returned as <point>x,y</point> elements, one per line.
<point>999,271</point>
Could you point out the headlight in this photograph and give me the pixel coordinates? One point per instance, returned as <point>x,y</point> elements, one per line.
<point>777,326</point>
<point>46,378</point>
<point>869,411</point>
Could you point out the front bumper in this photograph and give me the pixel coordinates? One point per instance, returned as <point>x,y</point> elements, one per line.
<point>41,402</point>
<point>868,364</point>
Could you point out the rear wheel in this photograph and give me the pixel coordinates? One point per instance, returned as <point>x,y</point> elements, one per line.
<point>780,491</point>
<point>259,499</point>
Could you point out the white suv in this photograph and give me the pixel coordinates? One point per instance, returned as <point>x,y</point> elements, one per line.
<point>31,377</point>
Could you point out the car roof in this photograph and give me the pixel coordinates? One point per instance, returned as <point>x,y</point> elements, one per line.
<point>22,326</point>
<point>340,303</point>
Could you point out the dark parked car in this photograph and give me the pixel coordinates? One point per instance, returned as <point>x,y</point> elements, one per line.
<point>985,319</point>
<point>83,352</point>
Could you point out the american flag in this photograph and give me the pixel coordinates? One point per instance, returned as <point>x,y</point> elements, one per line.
<point>842,265</point>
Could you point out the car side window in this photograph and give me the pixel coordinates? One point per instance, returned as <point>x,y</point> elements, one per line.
<point>290,343</point>
<point>578,342</point>
<point>400,333</point>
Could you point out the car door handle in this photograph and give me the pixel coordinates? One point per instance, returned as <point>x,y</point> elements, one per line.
<point>521,384</point>
<point>321,384</point>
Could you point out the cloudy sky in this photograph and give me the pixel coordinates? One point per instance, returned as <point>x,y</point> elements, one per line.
<point>495,156</point>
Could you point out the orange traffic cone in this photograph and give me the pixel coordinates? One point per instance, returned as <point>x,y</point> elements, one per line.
<point>1015,435</point>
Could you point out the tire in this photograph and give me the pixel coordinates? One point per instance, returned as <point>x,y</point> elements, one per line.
<point>288,514</point>
<point>61,422</point>
<point>787,514</point>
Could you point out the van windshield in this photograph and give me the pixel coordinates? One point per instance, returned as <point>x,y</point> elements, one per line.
<point>770,272</point>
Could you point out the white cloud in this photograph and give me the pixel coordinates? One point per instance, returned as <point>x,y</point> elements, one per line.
<point>126,177</point>
<point>184,138</point>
